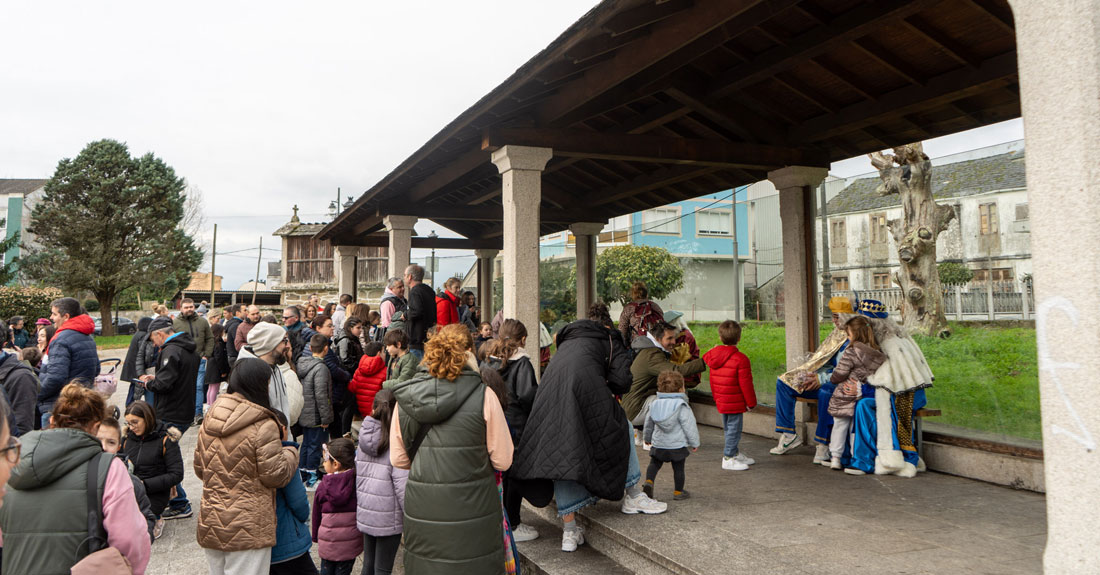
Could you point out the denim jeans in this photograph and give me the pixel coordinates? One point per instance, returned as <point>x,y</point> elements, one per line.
<point>180,500</point>
<point>200,387</point>
<point>312,440</point>
<point>571,496</point>
<point>419,353</point>
<point>731,423</point>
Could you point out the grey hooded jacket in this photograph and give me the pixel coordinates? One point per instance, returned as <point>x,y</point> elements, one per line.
<point>670,423</point>
<point>316,391</point>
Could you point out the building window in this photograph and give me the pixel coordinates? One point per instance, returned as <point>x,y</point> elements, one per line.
<point>838,238</point>
<point>988,219</point>
<point>661,221</point>
<point>880,280</point>
<point>1021,212</point>
<point>840,283</point>
<point>878,228</point>
<point>1003,281</point>
<point>713,222</point>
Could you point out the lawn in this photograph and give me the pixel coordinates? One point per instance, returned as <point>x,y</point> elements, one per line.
<point>986,377</point>
<point>113,342</point>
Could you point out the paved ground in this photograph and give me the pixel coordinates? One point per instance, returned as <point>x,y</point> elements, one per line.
<point>785,516</point>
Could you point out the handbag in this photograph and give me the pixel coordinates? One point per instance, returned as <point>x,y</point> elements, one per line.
<point>101,559</point>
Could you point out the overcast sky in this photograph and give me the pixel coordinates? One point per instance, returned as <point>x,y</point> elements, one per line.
<point>265,105</point>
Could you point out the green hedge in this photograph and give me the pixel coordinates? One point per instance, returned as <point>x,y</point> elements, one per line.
<point>31,303</point>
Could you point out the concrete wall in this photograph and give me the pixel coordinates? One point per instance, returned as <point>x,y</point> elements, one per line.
<point>299,294</point>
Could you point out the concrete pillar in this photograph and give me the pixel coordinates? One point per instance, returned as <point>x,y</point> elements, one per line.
<point>796,185</point>
<point>346,262</point>
<point>587,235</point>
<point>400,229</point>
<point>1059,65</point>
<point>521,174</point>
<point>485,260</point>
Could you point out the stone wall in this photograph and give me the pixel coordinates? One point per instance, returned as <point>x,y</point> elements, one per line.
<point>298,294</point>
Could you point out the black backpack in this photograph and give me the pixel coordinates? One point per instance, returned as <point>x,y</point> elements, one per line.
<point>397,320</point>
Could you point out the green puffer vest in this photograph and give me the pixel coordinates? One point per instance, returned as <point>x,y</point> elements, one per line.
<point>453,514</point>
<point>45,514</point>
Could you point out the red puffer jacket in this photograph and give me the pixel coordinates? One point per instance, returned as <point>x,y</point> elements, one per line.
<point>730,379</point>
<point>446,309</point>
<point>367,381</point>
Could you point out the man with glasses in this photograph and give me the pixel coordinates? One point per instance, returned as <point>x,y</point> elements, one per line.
<point>271,344</point>
<point>292,321</point>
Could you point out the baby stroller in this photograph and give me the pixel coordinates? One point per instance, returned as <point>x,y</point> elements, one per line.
<point>107,381</point>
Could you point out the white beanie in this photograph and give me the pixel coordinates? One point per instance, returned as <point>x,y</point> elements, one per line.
<point>264,337</point>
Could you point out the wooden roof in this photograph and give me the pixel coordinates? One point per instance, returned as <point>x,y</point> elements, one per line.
<point>647,103</point>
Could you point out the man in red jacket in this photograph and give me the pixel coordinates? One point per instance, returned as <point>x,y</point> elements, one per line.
<point>731,385</point>
<point>446,303</point>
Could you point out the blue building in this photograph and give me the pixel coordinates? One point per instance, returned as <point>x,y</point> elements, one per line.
<point>700,232</point>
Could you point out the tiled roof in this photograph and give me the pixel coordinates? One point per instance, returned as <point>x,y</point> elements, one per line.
<point>967,178</point>
<point>20,186</point>
<point>298,229</point>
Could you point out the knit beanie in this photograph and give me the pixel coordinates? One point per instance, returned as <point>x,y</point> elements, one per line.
<point>264,337</point>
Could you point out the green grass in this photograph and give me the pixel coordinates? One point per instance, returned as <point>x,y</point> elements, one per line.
<point>987,378</point>
<point>113,342</point>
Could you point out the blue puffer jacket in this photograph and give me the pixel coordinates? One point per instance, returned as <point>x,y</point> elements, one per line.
<point>292,537</point>
<point>71,354</point>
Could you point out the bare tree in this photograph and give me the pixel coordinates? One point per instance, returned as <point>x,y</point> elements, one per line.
<point>915,235</point>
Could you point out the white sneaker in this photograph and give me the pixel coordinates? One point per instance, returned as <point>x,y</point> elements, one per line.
<point>854,471</point>
<point>787,442</point>
<point>822,456</point>
<point>733,464</point>
<point>647,446</point>
<point>637,438</point>
<point>525,532</point>
<point>643,504</point>
<point>744,459</point>
<point>571,539</point>
<point>835,463</point>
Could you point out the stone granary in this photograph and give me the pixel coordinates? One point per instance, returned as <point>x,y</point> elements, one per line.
<point>642,103</point>
<point>309,266</point>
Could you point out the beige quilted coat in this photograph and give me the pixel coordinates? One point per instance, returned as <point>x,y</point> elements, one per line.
<point>241,461</point>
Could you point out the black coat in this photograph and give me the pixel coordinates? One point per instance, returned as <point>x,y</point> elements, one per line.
<point>420,316</point>
<point>217,367</point>
<point>519,377</point>
<point>577,430</point>
<point>157,462</point>
<point>21,390</point>
<point>231,334</point>
<point>177,375</point>
<point>129,365</point>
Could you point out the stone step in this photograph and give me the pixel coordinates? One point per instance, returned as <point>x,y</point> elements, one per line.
<point>626,550</point>
<point>544,556</point>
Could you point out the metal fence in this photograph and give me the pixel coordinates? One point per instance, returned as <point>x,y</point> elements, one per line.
<point>962,304</point>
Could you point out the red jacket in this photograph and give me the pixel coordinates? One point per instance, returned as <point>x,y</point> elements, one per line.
<point>446,309</point>
<point>367,381</point>
<point>730,379</point>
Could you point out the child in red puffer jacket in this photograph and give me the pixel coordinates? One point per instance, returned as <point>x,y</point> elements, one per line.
<point>366,381</point>
<point>731,385</point>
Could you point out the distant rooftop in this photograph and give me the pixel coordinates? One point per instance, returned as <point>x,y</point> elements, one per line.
<point>20,186</point>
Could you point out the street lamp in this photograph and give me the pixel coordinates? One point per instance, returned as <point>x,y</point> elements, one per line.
<point>348,204</point>
<point>431,266</point>
<point>332,210</point>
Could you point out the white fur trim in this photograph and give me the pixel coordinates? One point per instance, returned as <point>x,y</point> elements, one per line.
<point>907,470</point>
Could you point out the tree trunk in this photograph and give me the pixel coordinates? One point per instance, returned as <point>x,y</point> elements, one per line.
<point>915,235</point>
<point>106,301</point>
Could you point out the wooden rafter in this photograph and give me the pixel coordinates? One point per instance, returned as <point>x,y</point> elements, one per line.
<point>949,45</point>
<point>636,18</point>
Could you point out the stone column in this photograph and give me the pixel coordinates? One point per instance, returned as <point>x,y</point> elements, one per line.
<point>1060,98</point>
<point>400,229</point>
<point>521,174</point>
<point>485,259</point>
<point>796,185</point>
<point>346,258</point>
<point>586,234</point>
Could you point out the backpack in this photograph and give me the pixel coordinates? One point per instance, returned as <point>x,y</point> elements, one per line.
<point>642,318</point>
<point>397,320</point>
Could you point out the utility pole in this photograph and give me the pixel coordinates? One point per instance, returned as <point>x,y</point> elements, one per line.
<point>213,257</point>
<point>256,283</point>
<point>826,277</point>
<point>736,262</point>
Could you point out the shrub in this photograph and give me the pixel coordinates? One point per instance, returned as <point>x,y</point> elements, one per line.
<point>91,305</point>
<point>31,303</point>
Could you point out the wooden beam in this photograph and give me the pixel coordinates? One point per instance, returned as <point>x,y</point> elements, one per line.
<point>462,165</point>
<point>601,45</point>
<point>852,25</point>
<point>998,11</point>
<point>652,181</point>
<point>997,72</point>
<point>880,54</point>
<point>843,76</point>
<point>489,213</point>
<point>383,240</point>
<point>645,148</point>
<point>366,225</point>
<point>949,45</point>
<point>635,18</point>
<point>710,112</point>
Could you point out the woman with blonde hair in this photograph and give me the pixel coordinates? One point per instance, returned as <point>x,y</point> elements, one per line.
<point>451,433</point>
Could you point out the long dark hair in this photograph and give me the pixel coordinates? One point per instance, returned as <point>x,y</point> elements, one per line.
<point>249,379</point>
<point>145,412</point>
<point>385,402</point>
<point>507,341</point>
<point>495,382</point>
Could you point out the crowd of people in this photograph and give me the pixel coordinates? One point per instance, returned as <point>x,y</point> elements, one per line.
<point>416,424</point>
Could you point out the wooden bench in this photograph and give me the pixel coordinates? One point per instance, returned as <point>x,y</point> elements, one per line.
<point>918,415</point>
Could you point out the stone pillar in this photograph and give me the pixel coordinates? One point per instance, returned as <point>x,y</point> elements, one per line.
<point>346,260</point>
<point>485,259</point>
<point>521,174</point>
<point>586,234</point>
<point>1057,41</point>
<point>400,229</point>
<point>796,185</point>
